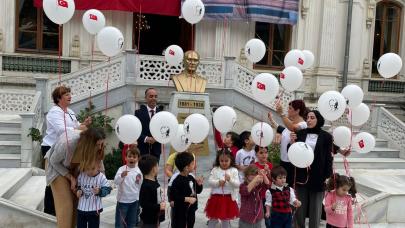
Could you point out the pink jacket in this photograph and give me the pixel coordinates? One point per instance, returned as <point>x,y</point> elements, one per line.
<point>342,216</point>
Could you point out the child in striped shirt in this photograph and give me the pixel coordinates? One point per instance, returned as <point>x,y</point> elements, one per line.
<point>92,185</point>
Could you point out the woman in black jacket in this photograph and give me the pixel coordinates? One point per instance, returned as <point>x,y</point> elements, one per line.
<point>310,182</point>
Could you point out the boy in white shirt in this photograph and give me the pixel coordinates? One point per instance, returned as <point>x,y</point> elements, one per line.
<point>129,180</point>
<point>246,155</point>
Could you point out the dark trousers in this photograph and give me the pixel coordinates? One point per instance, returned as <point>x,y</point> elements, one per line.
<point>126,215</point>
<point>267,221</point>
<point>183,220</point>
<point>280,220</point>
<point>49,206</point>
<point>88,219</point>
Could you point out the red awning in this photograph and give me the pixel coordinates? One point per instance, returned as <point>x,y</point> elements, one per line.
<point>160,7</point>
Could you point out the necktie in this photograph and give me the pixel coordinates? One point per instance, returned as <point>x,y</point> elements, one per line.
<point>152,112</point>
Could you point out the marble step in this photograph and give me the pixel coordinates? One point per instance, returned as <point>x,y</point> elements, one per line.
<point>10,147</point>
<point>31,194</point>
<point>12,179</point>
<point>11,121</point>
<point>10,161</point>
<point>10,134</point>
<point>378,152</point>
<point>370,163</point>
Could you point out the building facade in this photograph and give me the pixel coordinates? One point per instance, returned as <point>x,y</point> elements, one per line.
<point>377,27</point>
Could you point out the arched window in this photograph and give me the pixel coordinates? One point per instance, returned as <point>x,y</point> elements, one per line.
<point>387,30</point>
<point>34,31</point>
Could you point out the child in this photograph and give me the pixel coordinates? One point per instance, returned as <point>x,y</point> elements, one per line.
<point>230,141</point>
<point>246,155</point>
<point>184,191</point>
<point>278,198</point>
<point>150,196</point>
<point>251,208</point>
<point>223,180</point>
<point>129,181</point>
<point>92,185</point>
<point>263,163</point>
<point>338,201</point>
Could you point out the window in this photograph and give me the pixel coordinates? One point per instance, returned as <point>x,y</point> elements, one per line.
<point>387,31</point>
<point>34,31</point>
<point>277,38</point>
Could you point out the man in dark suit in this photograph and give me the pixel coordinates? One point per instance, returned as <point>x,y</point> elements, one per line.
<point>146,143</point>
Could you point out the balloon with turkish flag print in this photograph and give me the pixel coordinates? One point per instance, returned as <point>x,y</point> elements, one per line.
<point>291,78</point>
<point>265,87</point>
<point>363,142</point>
<point>59,11</point>
<point>295,58</point>
<point>174,55</point>
<point>93,21</point>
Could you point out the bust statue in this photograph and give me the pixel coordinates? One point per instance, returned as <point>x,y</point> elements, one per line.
<point>189,80</point>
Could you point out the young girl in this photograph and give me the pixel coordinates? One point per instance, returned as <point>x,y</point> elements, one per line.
<point>263,164</point>
<point>251,208</point>
<point>223,180</point>
<point>245,156</point>
<point>230,141</point>
<point>338,201</point>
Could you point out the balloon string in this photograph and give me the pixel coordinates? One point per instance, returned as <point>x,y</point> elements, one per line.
<point>106,94</point>
<point>192,36</point>
<point>139,27</point>
<point>59,55</point>
<point>91,66</point>
<point>224,36</point>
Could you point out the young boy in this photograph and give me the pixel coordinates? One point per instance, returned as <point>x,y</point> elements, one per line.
<point>184,191</point>
<point>92,185</point>
<point>279,197</point>
<point>230,141</point>
<point>129,181</point>
<point>150,197</point>
<point>263,164</point>
<point>246,155</point>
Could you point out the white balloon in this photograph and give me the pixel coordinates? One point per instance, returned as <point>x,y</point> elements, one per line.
<point>163,126</point>
<point>193,11</point>
<point>389,65</point>
<point>295,58</point>
<point>59,11</point>
<point>342,136</point>
<point>353,94</point>
<point>363,142</point>
<point>255,50</point>
<point>262,134</point>
<point>265,87</point>
<point>359,115</point>
<point>331,105</point>
<point>309,59</point>
<point>174,55</point>
<point>93,21</point>
<point>291,78</point>
<point>180,142</point>
<point>196,127</point>
<point>110,41</point>
<point>128,129</point>
<point>224,118</point>
<point>300,155</point>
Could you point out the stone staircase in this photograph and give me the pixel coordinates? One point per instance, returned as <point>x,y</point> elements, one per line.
<point>10,141</point>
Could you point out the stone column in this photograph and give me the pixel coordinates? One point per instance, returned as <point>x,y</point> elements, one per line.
<point>41,84</point>
<point>26,142</point>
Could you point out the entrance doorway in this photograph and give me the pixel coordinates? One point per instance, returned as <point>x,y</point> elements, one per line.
<point>158,32</point>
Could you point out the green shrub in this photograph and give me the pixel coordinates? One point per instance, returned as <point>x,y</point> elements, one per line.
<point>274,154</point>
<point>97,119</point>
<point>35,134</point>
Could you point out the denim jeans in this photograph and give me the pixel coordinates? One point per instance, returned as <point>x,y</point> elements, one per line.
<point>126,215</point>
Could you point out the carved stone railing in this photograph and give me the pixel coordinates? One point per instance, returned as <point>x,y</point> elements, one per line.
<point>386,86</point>
<point>244,78</point>
<point>34,64</point>
<point>392,129</point>
<point>91,81</point>
<point>153,70</point>
<point>15,102</point>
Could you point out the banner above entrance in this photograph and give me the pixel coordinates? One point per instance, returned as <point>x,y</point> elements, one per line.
<point>160,7</point>
<point>274,11</point>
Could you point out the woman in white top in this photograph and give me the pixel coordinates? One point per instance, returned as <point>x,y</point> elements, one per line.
<point>293,121</point>
<point>59,119</point>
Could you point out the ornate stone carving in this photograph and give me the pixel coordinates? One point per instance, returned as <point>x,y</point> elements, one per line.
<point>370,13</point>
<point>16,102</point>
<point>242,57</point>
<point>392,128</point>
<point>1,40</point>
<point>75,46</point>
<point>366,68</point>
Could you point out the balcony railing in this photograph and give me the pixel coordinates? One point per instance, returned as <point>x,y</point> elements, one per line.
<point>386,86</point>
<point>34,64</point>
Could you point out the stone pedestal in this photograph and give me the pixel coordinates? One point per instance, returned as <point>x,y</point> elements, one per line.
<point>183,104</point>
